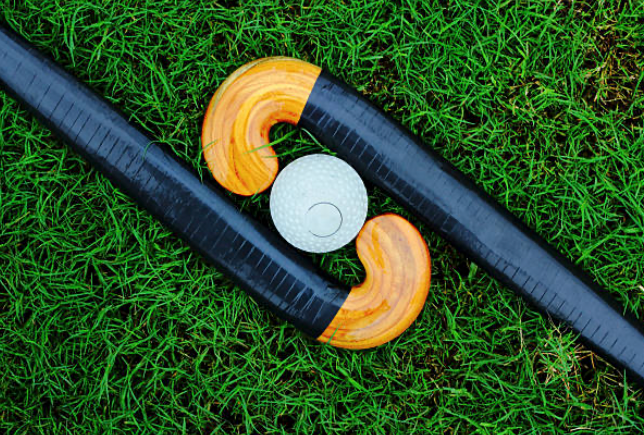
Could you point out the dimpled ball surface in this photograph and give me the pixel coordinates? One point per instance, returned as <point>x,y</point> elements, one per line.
<point>318,203</point>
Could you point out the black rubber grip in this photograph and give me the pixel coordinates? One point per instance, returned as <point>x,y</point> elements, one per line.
<point>385,153</point>
<point>256,258</point>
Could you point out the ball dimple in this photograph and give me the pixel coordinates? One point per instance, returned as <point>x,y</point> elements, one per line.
<point>318,203</point>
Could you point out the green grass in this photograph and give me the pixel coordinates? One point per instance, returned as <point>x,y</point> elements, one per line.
<point>110,324</point>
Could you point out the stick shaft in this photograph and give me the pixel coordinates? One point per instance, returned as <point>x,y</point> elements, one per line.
<point>256,258</point>
<point>390,157</point>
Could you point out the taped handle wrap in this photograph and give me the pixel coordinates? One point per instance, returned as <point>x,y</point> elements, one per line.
<point>385,153</point>
<point>256,258</point>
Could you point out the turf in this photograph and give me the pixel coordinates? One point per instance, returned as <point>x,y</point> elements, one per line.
<point>110,324</point>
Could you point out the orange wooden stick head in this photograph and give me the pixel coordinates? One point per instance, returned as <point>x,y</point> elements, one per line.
<point>398,268</point>
<point>241,114</point>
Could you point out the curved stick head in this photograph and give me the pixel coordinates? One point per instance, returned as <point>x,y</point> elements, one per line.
<point>241,113</point>
<point>398,268</point>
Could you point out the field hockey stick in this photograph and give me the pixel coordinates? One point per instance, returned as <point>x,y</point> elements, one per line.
<point>272,90</point>
<point>395,256</point>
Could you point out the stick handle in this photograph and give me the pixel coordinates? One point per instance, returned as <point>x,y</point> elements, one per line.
<point>390,157</point>
<point>257,259</point>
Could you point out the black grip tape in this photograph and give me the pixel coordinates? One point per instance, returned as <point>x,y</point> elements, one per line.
<point>256,258</point>
<point>390,157</point>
